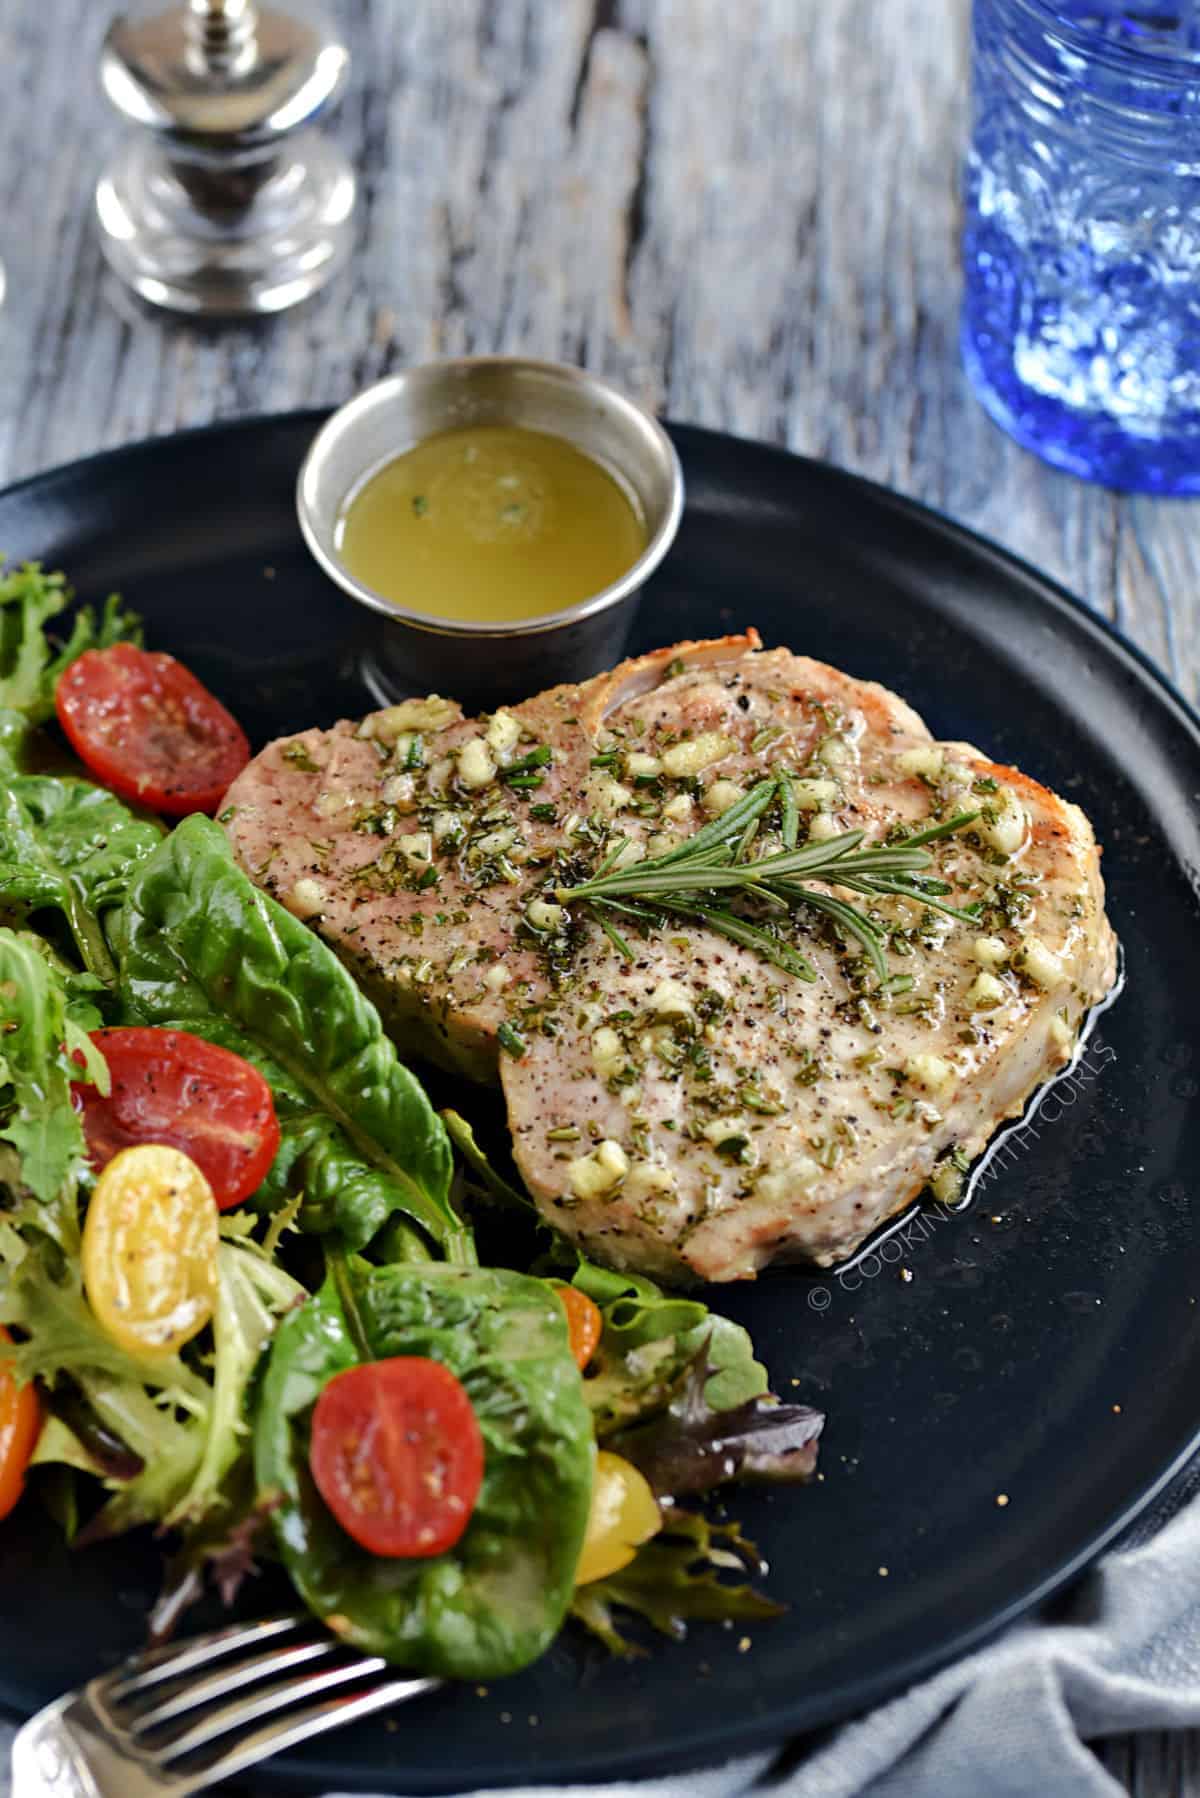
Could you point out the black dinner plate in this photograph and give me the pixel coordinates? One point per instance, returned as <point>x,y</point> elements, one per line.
<point>995,1416</point>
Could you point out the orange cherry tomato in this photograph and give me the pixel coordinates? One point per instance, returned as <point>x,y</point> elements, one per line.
<point>20,1421</point>
<point>584,1323</point>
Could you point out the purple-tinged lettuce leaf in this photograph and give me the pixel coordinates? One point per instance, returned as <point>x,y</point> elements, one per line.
<point>689,1447</point>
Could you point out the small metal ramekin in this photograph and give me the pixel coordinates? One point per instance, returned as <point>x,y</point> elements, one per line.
<point>481,663</point>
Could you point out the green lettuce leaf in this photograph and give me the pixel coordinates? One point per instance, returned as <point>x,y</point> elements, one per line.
<point>37,1040</point>
<point>202,949</point>
<point>649,1339</point>
<point>30,661</point>
<point>67,844</point>
<point>675,1579</point>
<point>495,1601</point>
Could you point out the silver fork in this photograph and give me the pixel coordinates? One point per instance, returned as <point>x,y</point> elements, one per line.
<point>179,1718</point>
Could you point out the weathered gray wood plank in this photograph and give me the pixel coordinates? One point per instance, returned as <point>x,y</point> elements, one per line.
<point>747,214</point>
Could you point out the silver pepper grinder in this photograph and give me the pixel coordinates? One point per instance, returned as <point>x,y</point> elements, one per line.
<point>227,201</point>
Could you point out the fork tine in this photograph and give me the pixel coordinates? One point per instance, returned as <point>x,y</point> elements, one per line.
<point>229,1679</point>
<point>302,1726</point>
<point>277,1697</point>
<point>169,1663</point>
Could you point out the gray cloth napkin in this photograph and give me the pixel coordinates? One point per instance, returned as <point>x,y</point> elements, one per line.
<point>1120,1653</point>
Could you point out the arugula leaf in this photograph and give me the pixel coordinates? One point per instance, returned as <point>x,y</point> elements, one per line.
<point>201,948</point>
<point>67,844</point>
<point>675,1579</point>
<point>30,663</point>
<point>36,1042</point>
<point>495,1601</point>
<point>692,1446</point>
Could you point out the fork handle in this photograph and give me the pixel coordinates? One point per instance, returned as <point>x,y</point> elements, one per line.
<point>46,1760</point>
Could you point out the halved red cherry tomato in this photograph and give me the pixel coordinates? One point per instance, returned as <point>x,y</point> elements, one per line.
<point>397,1455</point>
<point>584,1323</point>
<point>174,1088</point>
<point>149,729</point>
<point>20,1421</point>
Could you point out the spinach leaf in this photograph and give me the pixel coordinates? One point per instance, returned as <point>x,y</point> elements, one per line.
<point>649,1340</point>
<point>30,663</point>
<point>496,1600</point>
<point>67,844</point>
<point>202,949</point>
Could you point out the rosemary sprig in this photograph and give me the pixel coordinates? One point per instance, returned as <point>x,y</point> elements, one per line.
<point>699,876</point>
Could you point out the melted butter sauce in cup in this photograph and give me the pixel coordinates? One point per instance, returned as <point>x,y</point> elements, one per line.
<point>490,522</point>
<point>494,519</point>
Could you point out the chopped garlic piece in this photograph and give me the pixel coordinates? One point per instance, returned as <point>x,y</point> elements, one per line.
<point>306,898</point>
<point>503,734</point>
<point>779,1184</point>
<point>814,795</point>
<point>411,715</point>
<point>545,916</point>
<point>608,795</point>
<point>927,760</point>
<point>438,778</point>
<point>417,846</point>
<point>497,977</point>
<point>696,754</point>
<point>678,810</point>
<point>823,828</point>
<point>446,824</point>
<point>990,951</point>
<point>836,752</point>
<point>670,999</point>
<point>721,1129</point>
<point>647,1180</point>
<point>1007,827</point>
<point>495,842</point>
<point>608,1052</point>
<point>986,992</point>
<point>475,766</point>
<point>640,766</point>
<point>929,1072</point>
<point>721,795</point>
<point>631,852</point>
<point>1040,964</point>
<point>331,802</point>
<point>400,790</point>
<point>598,1175</point>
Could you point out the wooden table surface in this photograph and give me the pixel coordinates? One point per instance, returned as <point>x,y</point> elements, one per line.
<point>746,214</point>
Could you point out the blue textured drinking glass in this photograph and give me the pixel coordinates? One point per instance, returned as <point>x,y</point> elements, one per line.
<point>1081,319</point>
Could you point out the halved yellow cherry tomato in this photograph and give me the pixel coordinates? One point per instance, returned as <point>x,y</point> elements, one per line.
<point>20,1421</point>
<point>624,1514</point>
<point>150,1250</point>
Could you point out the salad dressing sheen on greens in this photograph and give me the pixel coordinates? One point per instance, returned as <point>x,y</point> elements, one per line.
<point>490,522</point>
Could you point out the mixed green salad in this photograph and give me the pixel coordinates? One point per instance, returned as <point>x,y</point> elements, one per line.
<point>240,1249</point>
